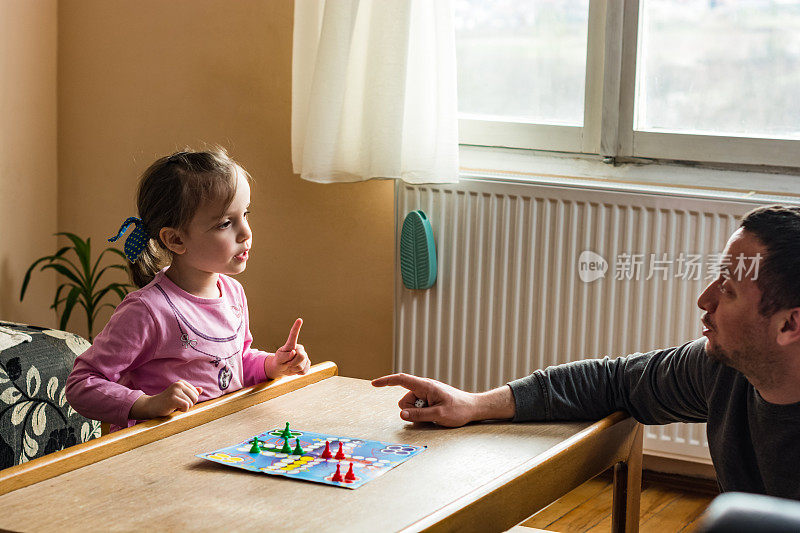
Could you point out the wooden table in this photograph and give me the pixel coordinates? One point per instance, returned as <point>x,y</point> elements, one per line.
<point>482,477</point>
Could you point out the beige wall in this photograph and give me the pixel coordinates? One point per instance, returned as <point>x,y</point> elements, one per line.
<point>28,173</point>
<point>140,79</point>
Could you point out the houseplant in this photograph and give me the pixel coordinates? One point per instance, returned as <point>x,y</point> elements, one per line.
<point>82,285</point>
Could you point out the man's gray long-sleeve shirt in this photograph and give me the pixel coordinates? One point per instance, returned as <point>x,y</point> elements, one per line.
<point>755,445</point>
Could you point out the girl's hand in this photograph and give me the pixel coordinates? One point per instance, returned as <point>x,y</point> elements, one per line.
<point>179,396</point>
<point>289,359</point>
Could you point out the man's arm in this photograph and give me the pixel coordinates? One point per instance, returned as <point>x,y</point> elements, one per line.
<point>658,387</point>
<point>496,404</point>
<point>446,405</point>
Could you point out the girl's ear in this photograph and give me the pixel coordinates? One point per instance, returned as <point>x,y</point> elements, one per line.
<point>173,240</point>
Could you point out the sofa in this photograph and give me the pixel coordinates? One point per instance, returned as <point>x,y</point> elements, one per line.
<point>735,512</point>
<point>35,418</point>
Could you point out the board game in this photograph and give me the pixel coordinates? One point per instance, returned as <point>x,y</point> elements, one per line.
<point>334,460</point>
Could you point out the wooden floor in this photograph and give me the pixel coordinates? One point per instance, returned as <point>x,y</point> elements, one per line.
<point>664,507</point>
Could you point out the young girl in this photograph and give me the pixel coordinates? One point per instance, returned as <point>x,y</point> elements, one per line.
<point>184,336</point>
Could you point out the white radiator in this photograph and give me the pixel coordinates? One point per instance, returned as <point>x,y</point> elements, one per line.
<point>509,300</point>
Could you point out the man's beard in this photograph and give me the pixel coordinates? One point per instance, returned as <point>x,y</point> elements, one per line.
<point>758,366</point>
<point>718,354</point>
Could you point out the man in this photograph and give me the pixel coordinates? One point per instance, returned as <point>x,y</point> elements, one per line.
<point>743,378</point>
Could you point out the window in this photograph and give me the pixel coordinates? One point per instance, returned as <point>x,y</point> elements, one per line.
<point>701,80</point>
<point>522,63</point>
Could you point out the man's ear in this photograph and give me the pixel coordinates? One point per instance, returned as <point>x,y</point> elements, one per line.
<point>173,240</point>
<point>789,332</point>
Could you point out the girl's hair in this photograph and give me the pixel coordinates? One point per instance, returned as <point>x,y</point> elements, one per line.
<point>169,194</point>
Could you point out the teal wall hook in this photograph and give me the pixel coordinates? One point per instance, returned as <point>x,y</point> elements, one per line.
<point>417,252</point>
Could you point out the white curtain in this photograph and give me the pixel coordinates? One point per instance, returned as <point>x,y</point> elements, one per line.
<point>374,91</point>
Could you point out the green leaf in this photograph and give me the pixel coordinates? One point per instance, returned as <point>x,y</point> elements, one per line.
<point>58,294</point>
<point>72,298</point>
<point>79,244</point>
<point>109,267</point>
<point>95,276</point>
<point>119,288</point>
<point>50,258</point>
<point>119,253</point>
<point>122,291</point>
<point>66,262</point>
<point>64,271</point>
<point>28,275</point>
<point>82,304</point>
<point>82,249</point>
<point>97,265</point>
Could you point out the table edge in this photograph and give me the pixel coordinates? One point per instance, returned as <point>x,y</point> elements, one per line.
<point>93,451</point>
<point>611,438</point>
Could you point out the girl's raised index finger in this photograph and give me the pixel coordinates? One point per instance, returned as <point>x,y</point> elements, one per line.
<point>291,342</point>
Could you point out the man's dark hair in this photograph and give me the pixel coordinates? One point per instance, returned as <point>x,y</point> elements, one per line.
<point>778,229</point>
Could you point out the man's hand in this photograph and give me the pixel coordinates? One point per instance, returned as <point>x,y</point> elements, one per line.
<point>289,359</point>
<point>447,406</point>
<point>179,396</point>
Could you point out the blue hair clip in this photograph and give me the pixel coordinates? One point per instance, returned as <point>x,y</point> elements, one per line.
<point>136,241</point>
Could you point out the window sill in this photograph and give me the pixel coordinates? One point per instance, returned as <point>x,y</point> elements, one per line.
<point>589,172</point>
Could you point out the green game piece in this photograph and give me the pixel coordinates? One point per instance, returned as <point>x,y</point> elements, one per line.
<point>286,448</point>
<point>297,449</point>
<point>255,448</point>
<point>286,433</point>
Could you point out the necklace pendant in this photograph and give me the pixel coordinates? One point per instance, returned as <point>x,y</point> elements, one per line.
<point>224,377</point>
<point>187,342</point>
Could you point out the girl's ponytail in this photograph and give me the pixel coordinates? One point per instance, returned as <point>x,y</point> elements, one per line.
<point>147,265</point>
<point>141,250</point>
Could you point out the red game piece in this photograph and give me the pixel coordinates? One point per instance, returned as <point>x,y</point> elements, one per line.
<point>350,476</point>
<point>338,475</point>
<point>340,454</point>
<point>327,453</point>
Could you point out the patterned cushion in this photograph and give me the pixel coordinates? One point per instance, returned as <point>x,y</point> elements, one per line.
<point>35,418</point>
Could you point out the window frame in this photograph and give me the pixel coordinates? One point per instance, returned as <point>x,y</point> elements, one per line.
<point>609,100</point>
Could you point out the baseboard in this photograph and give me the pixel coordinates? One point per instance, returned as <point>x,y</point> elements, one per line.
<point>668,465</point>
<point>680,474</point>
<point>703,486</point>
